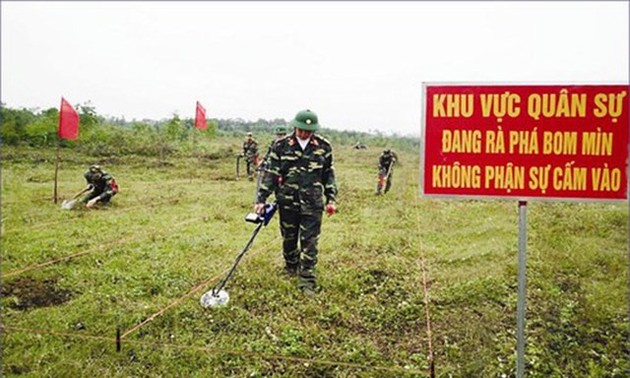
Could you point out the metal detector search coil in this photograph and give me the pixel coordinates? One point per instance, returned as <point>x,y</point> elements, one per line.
<point>212,299</point>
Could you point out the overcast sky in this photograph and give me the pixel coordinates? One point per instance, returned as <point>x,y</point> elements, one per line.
<point>358,65</point>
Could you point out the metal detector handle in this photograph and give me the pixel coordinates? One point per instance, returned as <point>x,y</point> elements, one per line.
<point>265,218</point>
<point>270,210</point>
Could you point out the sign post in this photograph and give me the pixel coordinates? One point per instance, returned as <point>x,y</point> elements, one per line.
<point>522,284</point>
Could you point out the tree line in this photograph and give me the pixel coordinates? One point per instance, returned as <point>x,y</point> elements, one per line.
<point>103,136</point>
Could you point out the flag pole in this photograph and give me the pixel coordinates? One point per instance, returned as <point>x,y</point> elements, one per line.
<point>68,129</point>
<point>57,168</point>
<point>194,141</point>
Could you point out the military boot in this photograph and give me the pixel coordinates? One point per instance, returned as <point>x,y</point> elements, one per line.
<point>291,270</point>
<point>307,281</point>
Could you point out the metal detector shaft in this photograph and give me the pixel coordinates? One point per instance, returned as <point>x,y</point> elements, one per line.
<point>221,284</point>
<point>261,172</point>
<point>81,192</point>
<point>389,170</point>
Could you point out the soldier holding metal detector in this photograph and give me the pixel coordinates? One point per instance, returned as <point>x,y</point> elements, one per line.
<point>103,186</point>
<point>385,170</point>
<point>301,174</point>
<point>250,152</point>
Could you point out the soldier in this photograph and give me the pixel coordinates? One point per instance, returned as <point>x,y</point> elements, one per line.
<point>281,132</point>
<point>264,163</point>
<point>103,186</point>
<point>250,152</point>
<point>385,170</point>
<point>301,173</point>
<point>360,146</point>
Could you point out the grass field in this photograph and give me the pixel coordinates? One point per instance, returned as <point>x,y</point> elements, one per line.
<point>389,267</point>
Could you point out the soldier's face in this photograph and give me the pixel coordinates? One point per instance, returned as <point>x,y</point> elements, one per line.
<point>303,134</point>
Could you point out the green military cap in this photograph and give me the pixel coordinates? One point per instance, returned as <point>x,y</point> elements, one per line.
<point>305,120</point>
<point>281,130</point>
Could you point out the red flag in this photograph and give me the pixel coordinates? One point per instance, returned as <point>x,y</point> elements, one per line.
<point>68,121</point>
<point>200,117</point>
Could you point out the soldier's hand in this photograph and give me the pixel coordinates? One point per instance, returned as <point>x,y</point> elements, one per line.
<point>331,209</point>
<point>92,202</point>
<point>259,208</point>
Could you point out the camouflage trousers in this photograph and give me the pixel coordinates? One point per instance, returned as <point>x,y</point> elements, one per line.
<point>304,227</point>
<point>251,167</point>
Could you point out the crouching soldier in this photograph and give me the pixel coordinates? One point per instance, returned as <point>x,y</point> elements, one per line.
<point>103,186</point>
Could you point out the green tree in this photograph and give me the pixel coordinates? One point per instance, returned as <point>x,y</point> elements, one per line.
<point>14,122</point>
<point>174,129</point>
<point>42,131</point>
<point>213,126</point>
<point>88,116</point>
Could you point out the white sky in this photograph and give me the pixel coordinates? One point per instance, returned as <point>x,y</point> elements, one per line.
<point>358,65</point>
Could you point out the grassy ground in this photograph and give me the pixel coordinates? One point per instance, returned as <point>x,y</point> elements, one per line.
<point>72,278</point>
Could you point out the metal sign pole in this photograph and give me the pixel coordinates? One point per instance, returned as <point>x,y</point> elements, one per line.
<point>522,283</point>
<point>628,236</point>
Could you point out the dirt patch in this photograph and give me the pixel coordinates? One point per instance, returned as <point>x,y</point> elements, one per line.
<point>18,370</point>
<point>27,292</point>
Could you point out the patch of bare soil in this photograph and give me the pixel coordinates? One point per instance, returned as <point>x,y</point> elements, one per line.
<point>26,292</point>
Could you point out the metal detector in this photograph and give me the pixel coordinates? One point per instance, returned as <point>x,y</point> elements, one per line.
<point>216,296</point>
<point>389,172</point>
<point>69,204</point>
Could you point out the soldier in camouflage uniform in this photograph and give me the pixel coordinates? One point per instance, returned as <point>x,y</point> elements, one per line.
<point>103,186</point>
<point>250,152</point>
<point>386,170</point>
<point>281,132</point>
<point>301,173</point>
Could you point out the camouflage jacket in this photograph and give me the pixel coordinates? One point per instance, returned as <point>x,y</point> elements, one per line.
<point>386,159</point>
<point>106,184</point>
<point>300,179</point>
<point>269,149</point>
<point>250,149</point>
